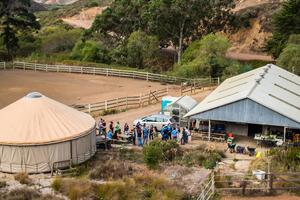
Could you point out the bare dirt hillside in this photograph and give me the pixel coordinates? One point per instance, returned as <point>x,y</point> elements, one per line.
<point>84,19</point>
<point>251,37</point>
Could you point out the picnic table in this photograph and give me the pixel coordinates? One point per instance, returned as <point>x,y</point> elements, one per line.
<point>268,140</point>
<point>218,137</point>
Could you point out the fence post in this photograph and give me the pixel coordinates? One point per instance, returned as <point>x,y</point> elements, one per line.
<point>57,68</point>
<point>94,71</point>
<point>167,89</point>
<point>105,105</point>
<point>81,70</point>
<point>24,66</point>
<point>35,67</point>
<point>147,76</point>
<point>271,178</point>
<point>140,100</point>
<point>218,80</point>
<point>118,104</point>
<point>89,108</point>
<point>106,71</point>
<point>213,187</point>
<point>13,64</point>
<point>4,65</point>
<point>149,98</point>
<point>46,67</point>
<point>181,89</point>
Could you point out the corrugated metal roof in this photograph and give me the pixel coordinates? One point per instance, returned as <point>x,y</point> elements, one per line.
<point>186,102</point>
<point>270,86</point>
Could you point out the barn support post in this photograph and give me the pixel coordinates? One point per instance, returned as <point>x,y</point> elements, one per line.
<point>284,134</point>
<point>209,129</point>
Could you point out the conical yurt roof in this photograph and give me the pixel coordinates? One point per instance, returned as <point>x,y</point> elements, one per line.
<point>36,119</point>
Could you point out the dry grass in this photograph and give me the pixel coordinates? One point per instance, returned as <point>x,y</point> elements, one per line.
<point>112,169</point>
<point>25,194</point>
<point>23,178</point>
<point>141,186</point>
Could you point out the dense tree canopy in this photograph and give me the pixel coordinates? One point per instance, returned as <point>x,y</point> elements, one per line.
<point>285,23</point>
<point>14,18</point>
<point>290,56</point>
<point>205,57</point>
<point>174,22</point>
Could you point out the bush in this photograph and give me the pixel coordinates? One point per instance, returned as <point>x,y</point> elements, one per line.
<point>91,51</point>
<point>59,40</point>
<point>111,170</point>
<point>202,157</point>
<point>56,184</point>
<point>23,178</point>
<point>2,184</point>
<point>158,150</point>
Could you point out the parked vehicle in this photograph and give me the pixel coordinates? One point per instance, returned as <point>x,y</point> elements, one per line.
<point>157,121</point>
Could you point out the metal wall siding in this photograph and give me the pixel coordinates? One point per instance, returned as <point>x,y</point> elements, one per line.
<point>247,111</point>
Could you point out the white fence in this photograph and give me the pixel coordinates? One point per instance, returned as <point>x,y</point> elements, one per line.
<point>124,102</point>
<point>208,189</point>
<point>2,65</point>
<point>104,71</point>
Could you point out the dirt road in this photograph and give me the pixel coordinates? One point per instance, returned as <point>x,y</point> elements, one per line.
<point>69,88</point>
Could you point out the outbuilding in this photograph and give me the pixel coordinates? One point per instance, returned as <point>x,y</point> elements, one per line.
<point>38,134</point>
<point>264,101</point>
<point>179,108</point>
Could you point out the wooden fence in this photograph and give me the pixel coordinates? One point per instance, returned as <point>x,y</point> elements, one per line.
<point>193,86</point>
<point>243,184</point>
<point>124,103</point>
<point>248,184</point>
<point>102,71</point>
<point>208,189</point>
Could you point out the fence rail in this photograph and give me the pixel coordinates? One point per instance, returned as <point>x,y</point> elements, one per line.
<point>103,71</point>
<point>187,85</point>
<point>125,103</point>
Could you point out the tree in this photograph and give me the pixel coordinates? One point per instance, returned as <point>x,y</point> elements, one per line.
<point>14,18</point>
<point>119,20</point>
<point>290,56</point>
<point>141,49</point>
<point>178,22</point>
<point>91,51</point>
<point>285,22</point>
<point>205,57</point>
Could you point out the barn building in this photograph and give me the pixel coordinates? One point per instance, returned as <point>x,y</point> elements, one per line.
<point>265,100</point>
<point>38,134</point>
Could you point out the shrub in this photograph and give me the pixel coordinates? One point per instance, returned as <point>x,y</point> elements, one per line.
<point>91,51</point>
<point>158,150</point>
<point>111,170</point>
<point>2,184</point>
<point>59,41</point>
<point>23,178</point>
<point>56,184</point>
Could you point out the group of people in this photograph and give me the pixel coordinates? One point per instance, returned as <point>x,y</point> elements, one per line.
<point>143,133</point>
<point>113,130</point>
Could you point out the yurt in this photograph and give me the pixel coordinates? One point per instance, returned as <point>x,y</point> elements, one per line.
<point>38,134</point>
